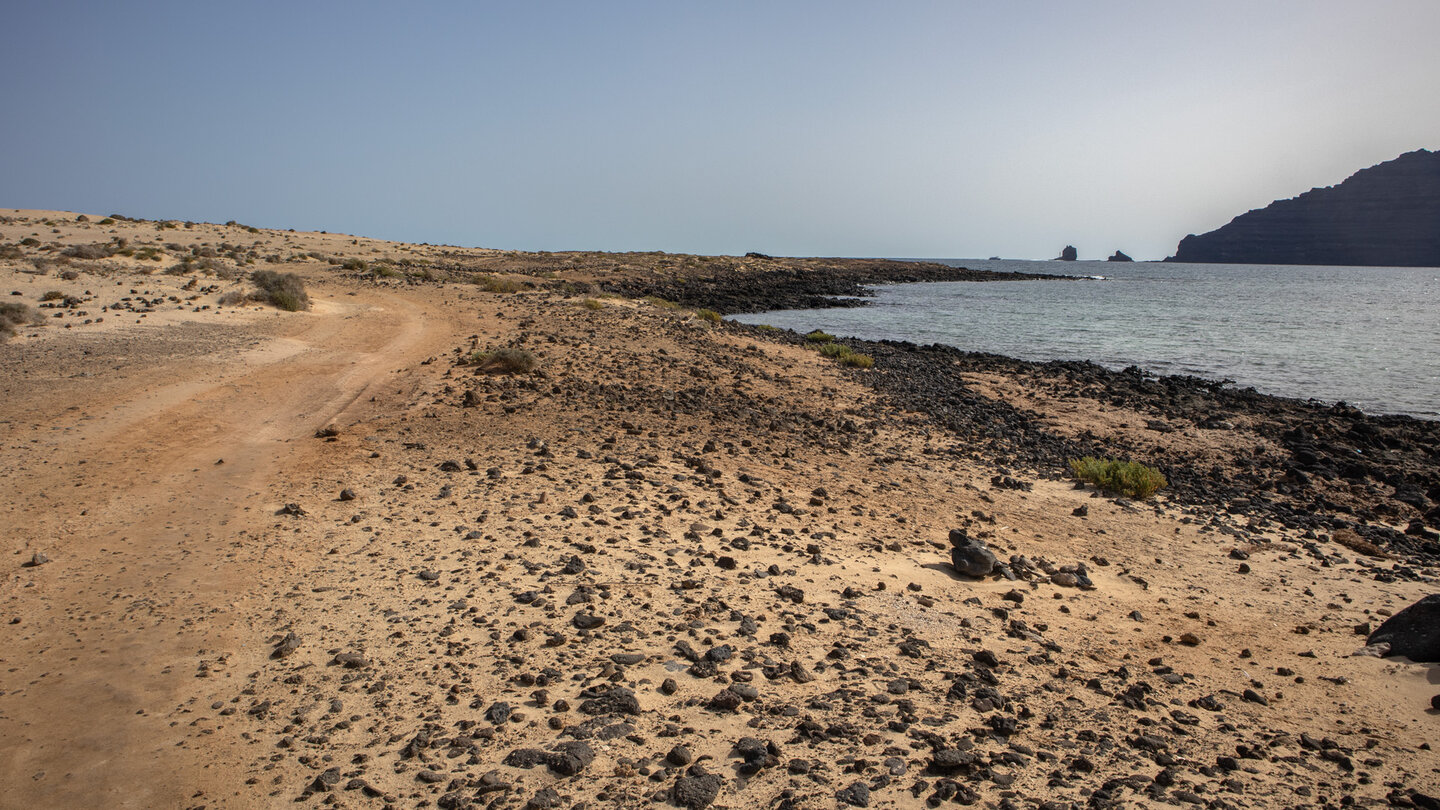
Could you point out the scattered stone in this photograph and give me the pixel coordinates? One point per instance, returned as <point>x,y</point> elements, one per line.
<point>696,791</point>
<point>287,645</point>
<point>36,560</point>
<point>351,660</point>
<point>857,795</point>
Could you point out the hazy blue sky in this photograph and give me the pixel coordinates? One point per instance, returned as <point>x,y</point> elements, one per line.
<point>818,128</point>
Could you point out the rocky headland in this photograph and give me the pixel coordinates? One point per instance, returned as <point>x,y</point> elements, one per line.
<point>495,529</point>
<point>1385,216</point>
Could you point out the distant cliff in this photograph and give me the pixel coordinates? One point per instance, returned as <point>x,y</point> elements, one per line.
<point>1386,215</point>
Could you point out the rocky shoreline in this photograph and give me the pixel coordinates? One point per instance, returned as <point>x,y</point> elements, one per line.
<point>783,284</point>
<point>1325,467</point>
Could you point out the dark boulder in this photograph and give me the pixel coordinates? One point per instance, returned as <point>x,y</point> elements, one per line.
<point>1413,632</point>
<point>696,791</point>
<point>1119,257</point>
<point>970,557</point>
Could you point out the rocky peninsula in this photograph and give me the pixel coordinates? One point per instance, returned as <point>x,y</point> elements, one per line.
<point>484,528</point>
<point>1385,216</point>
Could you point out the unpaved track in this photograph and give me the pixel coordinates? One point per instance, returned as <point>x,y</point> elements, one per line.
<point>142,509</point>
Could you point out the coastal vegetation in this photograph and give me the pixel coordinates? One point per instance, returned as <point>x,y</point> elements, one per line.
<point>846,355</point>
<point>1123,477</point>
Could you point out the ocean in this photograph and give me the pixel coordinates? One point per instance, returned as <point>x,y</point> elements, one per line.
<point>1368,336</point>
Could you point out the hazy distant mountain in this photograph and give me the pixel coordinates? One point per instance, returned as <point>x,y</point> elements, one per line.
<point>1386,215</point>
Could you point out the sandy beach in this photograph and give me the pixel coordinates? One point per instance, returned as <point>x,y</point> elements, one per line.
<point>258,558</point>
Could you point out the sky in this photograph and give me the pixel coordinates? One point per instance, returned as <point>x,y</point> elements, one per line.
<point>840,128</point>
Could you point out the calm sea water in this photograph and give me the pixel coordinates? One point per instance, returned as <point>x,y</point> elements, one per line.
<point>1365,335</point>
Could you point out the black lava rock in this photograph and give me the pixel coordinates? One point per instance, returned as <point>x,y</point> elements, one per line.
<point>970,557</point>
<point>1413,632</point>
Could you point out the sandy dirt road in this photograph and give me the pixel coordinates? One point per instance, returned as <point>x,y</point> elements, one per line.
<point>140,499</point>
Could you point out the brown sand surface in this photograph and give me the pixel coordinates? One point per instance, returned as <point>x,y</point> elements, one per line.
<point>671,534</point>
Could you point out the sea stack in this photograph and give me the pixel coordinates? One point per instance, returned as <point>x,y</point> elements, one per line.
<point>1119,257</point>
<point>1069,254</point>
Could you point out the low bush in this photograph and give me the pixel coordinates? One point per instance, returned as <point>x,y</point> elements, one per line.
<point>357,265</point>
<point>52,295</point>
<point>708,315</point>
<point>846,355</point>
<point>592,303</point>
<point>819,337</point>
<point>661,303</point>
<point>1123,477</point>
<point>509,360</point>
<point>90,252</point>
<point>496,284</point>
<point>283,290</point>
<point>14,315</point>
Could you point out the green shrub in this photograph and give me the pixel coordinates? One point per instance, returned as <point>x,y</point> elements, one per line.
<point>661,303</point>
<point>107,221</point>
<point>52,295</point>
<point>708,315</point>
<point>509,360</point>
<point>846,355</point>
<point>1124,477</point>
<point>357,265</point>
<point>14,315</point>
<point>819,337</point>
<point>592,303</point>
<point>283,290</point>
<point>765,327</point>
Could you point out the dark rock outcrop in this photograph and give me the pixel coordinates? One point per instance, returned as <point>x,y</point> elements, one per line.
<point>1387,216</point>
<point>1119,257</point>
<point>1413,632</point>
<point>970,557</point>
<point>1069,254</point>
